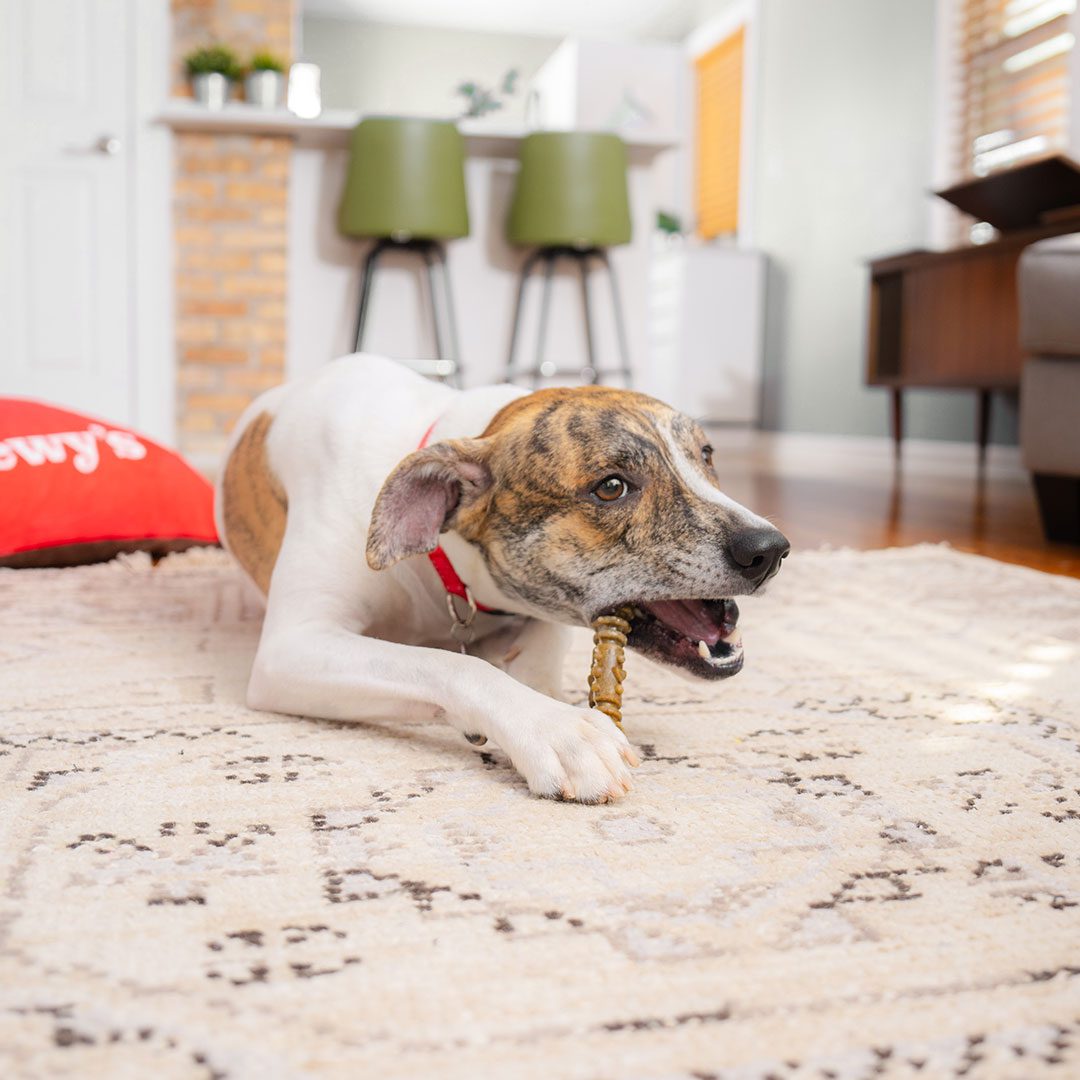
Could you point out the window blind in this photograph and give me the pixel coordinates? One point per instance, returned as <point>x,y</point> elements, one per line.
<point>719,78</point>
<point>1014,87</point>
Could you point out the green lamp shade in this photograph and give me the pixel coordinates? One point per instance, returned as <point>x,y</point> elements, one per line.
<point>571,191</point>
<point>406,181</point>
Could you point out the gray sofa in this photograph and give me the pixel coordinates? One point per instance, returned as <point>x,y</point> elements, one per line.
<point>1049,281</point>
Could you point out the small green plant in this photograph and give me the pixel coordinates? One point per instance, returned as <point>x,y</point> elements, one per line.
<point>480,100</point>
<point>213,60</point>
<point>266,61</point>
<point>668,222</point>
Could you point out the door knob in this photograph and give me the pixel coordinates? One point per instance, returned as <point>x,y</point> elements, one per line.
<point>109,145</point>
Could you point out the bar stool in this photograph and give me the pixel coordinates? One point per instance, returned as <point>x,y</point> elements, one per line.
<point>405,189</point>
<point>570,201</point>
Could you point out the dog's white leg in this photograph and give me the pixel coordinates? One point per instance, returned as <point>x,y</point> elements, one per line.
<point>535,657</point>
<point>330,672</point>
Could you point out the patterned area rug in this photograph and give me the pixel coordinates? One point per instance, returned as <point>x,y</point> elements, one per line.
<point>860,858</point>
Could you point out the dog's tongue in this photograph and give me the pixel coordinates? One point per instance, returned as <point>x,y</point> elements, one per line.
<point>689,617</point>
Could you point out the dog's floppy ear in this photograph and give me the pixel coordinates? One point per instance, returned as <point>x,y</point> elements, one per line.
<point>420,497</point>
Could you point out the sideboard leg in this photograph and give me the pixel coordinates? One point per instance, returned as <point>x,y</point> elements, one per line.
<point>983,427</point>
<point>897,419</point>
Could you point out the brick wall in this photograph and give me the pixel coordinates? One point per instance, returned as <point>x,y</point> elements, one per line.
<point>230,235</point>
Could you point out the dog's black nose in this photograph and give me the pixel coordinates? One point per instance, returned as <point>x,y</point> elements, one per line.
<point>757,552</point>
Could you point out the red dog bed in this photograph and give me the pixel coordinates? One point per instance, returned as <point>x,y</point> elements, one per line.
<point>74,489</point>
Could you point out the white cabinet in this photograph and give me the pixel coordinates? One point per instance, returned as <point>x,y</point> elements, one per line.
<point>706,324</point>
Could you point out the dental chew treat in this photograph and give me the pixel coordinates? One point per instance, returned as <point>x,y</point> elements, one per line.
<point>607,674</point>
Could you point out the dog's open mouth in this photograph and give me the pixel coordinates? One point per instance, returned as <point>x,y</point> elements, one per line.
<point>700,636</point>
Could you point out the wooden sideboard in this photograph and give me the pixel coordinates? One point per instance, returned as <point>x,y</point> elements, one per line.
<point>950,320</point>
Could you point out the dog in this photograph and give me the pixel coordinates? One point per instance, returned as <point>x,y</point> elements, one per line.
<point>362,499</point>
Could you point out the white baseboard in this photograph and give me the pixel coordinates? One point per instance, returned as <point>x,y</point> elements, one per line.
<point>796,450</point>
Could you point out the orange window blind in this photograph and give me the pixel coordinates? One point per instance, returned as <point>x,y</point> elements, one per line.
<point>719,79</point>
<point>1013,92</point>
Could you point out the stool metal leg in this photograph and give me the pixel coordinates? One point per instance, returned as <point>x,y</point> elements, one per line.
<point>429,263</point>
<point>451,319</point>
<point>367,273</point>
<point>526,270</point>
<point>549,258</point>
<point>590,373</point>
<point>620,325</point>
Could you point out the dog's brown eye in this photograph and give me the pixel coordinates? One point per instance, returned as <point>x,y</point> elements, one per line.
<point>611,488</point>
<point>706,455</point>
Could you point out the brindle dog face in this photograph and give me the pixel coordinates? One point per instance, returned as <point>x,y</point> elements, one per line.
<point>583,500</point>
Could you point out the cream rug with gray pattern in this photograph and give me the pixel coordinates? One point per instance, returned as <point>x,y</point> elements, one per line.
<point>860,858</point>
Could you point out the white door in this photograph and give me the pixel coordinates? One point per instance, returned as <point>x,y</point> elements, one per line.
<point>66,111</point>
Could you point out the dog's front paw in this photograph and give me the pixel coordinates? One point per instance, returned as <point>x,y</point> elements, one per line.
<point>573,754</point>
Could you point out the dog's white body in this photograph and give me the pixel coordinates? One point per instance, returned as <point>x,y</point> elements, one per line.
<point>342,641</point>
<point>555,507</point>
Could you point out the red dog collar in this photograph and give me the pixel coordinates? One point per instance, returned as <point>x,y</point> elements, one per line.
<point>444,568</point>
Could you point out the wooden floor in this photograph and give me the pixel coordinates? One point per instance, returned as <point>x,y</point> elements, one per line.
<point>848,493</point>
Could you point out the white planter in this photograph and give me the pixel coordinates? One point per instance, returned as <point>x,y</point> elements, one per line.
<point>211,89</point>
<point>265,89</point>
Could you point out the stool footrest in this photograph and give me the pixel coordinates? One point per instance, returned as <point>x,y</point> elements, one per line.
<point>440,369</point>
<point>564,373</point>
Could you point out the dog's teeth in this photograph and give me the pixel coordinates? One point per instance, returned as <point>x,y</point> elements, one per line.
<point>734,639</point>
<point>703,651</point>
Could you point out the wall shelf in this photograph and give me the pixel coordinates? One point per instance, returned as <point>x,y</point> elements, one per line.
<point>331,129</point>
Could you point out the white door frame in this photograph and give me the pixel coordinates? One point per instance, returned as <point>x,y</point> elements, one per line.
<point>150,262</point>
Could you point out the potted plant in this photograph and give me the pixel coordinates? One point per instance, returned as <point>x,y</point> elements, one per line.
<point>481,100</point>
<point>212,70</point>
<point>265,81</point>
